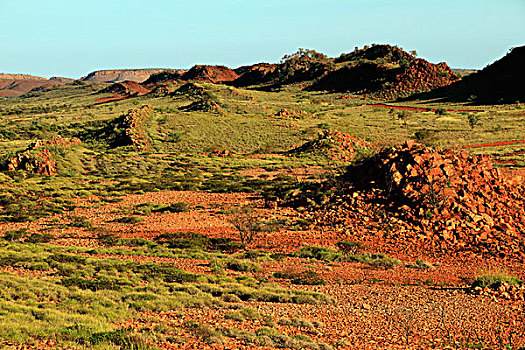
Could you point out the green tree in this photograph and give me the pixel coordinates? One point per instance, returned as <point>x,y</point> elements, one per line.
<point>473,120</point>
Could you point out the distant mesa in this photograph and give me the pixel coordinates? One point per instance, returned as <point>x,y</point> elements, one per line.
<point>500,82</point>
<point>19,84</point>
<point>5,76</point>
<point>119,75</point>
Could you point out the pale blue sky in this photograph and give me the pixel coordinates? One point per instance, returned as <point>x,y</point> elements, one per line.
<point>73,37</point>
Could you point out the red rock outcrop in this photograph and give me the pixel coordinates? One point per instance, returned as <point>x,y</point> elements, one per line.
<point>210,74</point>
<point>255,74</point>
<point>433,200</point>
<point>133,124</point>
<point>38,157</point>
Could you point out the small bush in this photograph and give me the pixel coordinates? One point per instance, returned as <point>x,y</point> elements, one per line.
<point>124,338</point>
<point>349,247</point>
<point>420,264</point>
<point>39,238</point>
<point>308,278</point>
<point>16,235</point>
<point>136,242</point>
<point>130,219</point>
<point>243,266</point>
<point>495,280</point>
<point>109,240</point>
<point>318,253</point>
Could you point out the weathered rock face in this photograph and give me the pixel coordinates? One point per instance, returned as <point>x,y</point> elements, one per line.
<point>119,75</point>
<point>255,74</point>
<point>38,157</point>
<point>134,130</point>
<point>441,200</point>
<point>210,74</point>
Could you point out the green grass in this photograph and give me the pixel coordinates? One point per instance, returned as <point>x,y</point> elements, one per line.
<point>495,280</point>
<point>77,298</point>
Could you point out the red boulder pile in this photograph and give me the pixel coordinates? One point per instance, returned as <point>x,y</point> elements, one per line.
<point>336,145</point>
<point>418,76</point>
<point>433,200</point>
<point>134,130</point>
<point>38,157</point>
<point>502,291</point>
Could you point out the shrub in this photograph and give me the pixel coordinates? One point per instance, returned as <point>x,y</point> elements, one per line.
<point>136,242</point>
<point>441,111</point>
<point>108,239</point>
<point>425,136</point>
<point>349,247</point>
<point>420,264</point>
<point>130,219</point>
<point>309,278</point>
<point>124,338</point>
<point>242,265</point>
<point>495,280</point>
<point>247,225</point>
<point>80,221</point>
<point>318,253</point>
<point>39,238</point>
<point>16,235</point>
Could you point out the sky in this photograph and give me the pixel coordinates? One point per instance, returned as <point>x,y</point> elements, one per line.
<point>72,38</point>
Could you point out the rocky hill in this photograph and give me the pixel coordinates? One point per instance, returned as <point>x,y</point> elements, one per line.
<point>7,76</point>
<point>210,74</point>
<point>119,75</point>
<point>500,82</point>
<point>255,74</point>
<point>392,76</point>
<point>19,84</point>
